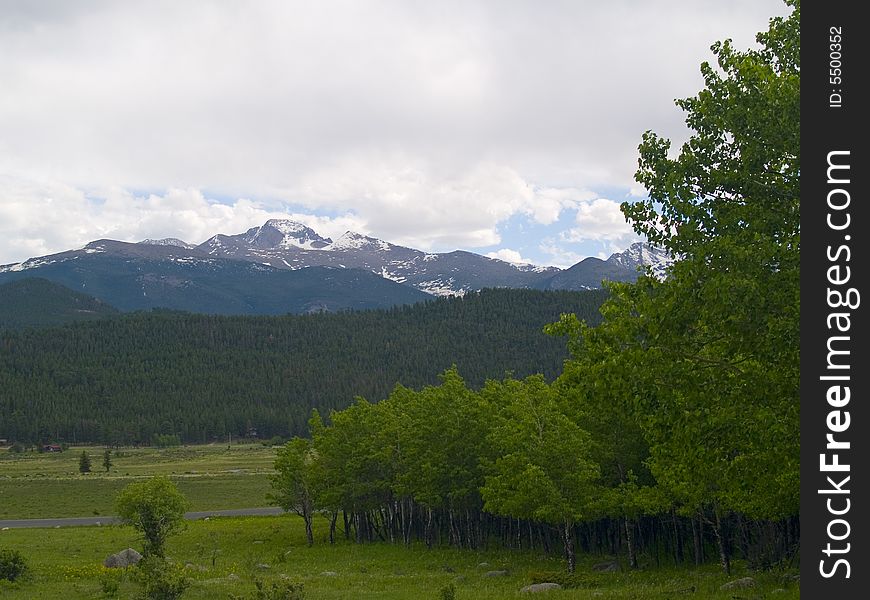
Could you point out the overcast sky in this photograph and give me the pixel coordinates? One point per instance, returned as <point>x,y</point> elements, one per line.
<point>507,128</point>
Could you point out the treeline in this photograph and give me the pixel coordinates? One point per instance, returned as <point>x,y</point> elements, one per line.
<point>200,377</point>
<point>525,464</point>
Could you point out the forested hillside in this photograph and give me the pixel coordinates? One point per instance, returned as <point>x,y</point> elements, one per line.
<point>39,302</point>
<point>204,377</point>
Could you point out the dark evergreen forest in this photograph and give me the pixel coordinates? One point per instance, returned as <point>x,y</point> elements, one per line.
<point>201,377</point>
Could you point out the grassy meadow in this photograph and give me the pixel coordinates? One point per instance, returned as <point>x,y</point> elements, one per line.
<point>224,556</point>
<point>213,477</point>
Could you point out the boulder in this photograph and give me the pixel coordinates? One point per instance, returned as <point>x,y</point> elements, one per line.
<point>495,573</point>
<point>122,559</point>
<point>540,587</point>
<point>611,566</point>
<point>743,582</point>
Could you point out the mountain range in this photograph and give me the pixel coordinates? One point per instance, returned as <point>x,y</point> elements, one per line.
<point>286,267</point>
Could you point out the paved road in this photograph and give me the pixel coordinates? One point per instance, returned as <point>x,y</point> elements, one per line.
<point>71,522</point>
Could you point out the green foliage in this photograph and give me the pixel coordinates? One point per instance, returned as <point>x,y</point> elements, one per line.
<point>110,583</point>
<point>166,440</point>
<point>160,579</point>
<point>155,508</point>
<point>12,564</point>
<point>276,590</point>
<point>107,459</point>
<point>297,479</point>
<point>448,592</point>
<point>84,462</point>
<point>703,367</point>
<point>543,470</point>
<point>569,580</point>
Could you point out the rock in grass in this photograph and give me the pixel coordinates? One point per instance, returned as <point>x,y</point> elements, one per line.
<point>540,587</point>
<point>263,566</point>
<point>233,577</point>
<point>122,559</point>
<point>328,574</point>
<point>495,573</point>
<point>611,566</point>
<point>743,582</point>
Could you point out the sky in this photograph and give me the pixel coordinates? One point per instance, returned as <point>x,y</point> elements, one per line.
<point>507,128</point>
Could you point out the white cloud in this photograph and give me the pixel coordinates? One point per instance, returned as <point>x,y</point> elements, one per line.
<point>424,123</point>
<point>44,218</point>
<point>409,201</point>
<point>511,256</point>
<point>558,255</point>
<point>599,220</point>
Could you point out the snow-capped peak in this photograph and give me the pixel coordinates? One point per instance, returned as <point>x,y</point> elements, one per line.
<point>168,242</point>
<point>284,233</point>
<point>286,226</point>
<point>643,254</point>
<point>352,240</point>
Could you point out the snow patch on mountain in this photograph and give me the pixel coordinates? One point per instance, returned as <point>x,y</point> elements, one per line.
<point>356,241</point>
<point>31,263</point>
<point>644,255</point>
<point>438,287</point>
<point>168,242</point>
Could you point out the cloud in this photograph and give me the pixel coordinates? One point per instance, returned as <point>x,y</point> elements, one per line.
<point>599,220</point>
<point>48,217</point>
<point>511,256</point>
<point>427,123</point>
<point>558,255</point>
<point>413,202</point>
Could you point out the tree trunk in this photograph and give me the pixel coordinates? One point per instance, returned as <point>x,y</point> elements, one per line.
<point>568,538</point>
<point>428,532</point>
<point>697,541</point>
<point>724,558</point>
<point>332,520</point>
<point>629,541</point>
<point>309,531</point>
<point>678,539</point>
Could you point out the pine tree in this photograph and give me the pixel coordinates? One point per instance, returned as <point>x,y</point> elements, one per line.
<point>84,462</point>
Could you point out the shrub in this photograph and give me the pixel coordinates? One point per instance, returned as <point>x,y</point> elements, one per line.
<point>12,564</point>
<point>448,592</point>
<point>568,580</point>
<point>277,590</point>
<point>159,579</point>
<point>110,583</point>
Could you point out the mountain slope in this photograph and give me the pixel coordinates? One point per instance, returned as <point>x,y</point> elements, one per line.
<point>39,302</point>
<point>139,276</point>
<point>290,245</point>
<point>622,266</point>
<point>247,273</point>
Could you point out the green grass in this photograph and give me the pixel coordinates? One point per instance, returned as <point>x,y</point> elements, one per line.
<point>36,485</point>
<point>214,458</point>
<point>67,563</point>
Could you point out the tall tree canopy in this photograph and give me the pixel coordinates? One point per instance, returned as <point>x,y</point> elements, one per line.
<point>708,359</point>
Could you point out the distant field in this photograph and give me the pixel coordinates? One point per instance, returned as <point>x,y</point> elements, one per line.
<point>38,485</point>
<point>67,563</point>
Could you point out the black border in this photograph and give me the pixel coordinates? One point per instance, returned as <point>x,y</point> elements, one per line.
<point>824,129</point>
